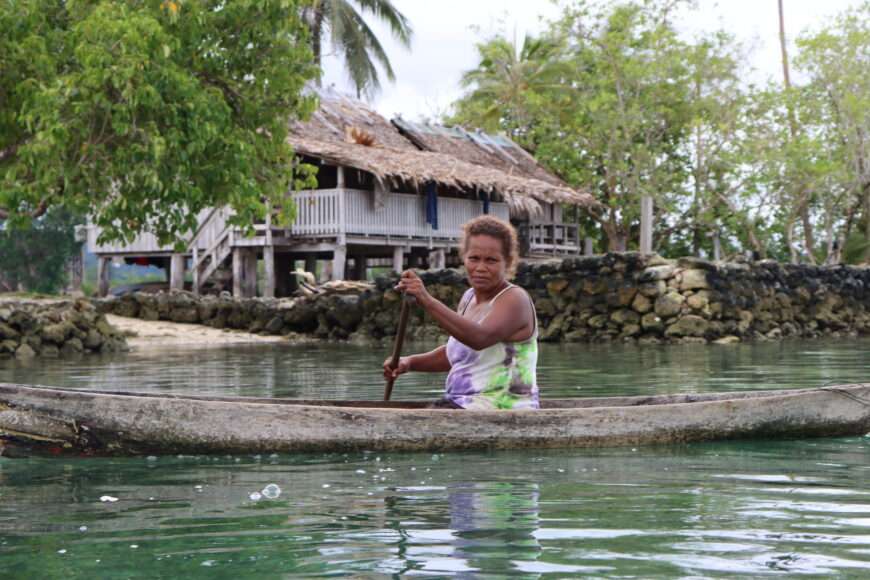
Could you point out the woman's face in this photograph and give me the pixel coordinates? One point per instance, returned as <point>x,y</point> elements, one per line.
<point>485,262</point>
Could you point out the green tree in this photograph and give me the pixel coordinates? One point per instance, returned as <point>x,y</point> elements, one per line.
<point>141,113</point>
<point>35,257</point>
<point>836,61</point>
<point>508,81</point>
<point>354,40</point>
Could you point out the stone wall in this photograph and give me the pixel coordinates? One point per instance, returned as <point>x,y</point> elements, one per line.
<point>615,297</point>
<point>30,328</point>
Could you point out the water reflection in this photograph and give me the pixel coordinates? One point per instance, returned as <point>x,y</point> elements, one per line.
<point>340,371</point>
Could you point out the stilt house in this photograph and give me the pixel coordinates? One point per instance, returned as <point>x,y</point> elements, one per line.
<point>389,195</point>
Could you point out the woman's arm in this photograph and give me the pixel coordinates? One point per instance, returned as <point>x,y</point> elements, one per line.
<point>511,319</point>
<point>434,361</point>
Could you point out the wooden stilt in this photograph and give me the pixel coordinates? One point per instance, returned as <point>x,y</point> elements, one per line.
<point>398,259</point>
<point>176,272</point>
<point>646,219</point>
<point>269,270</point>
<point>103,276</point>
<point>339,257</point>
<point>249,278</point>
<point>237,272</point>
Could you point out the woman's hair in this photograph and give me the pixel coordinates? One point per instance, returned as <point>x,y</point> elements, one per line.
<point>487,225</point>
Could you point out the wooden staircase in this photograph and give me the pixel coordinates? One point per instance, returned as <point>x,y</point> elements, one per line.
<point>211,246</point>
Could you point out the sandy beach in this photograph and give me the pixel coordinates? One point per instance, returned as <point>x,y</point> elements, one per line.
<point>142,334</point>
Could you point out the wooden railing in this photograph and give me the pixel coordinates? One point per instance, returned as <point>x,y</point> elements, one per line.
<point>553,237</point>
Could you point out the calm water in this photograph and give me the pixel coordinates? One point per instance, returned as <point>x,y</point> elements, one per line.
<point>704,510</point>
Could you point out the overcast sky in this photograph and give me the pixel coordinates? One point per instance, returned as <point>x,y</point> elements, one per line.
<point>446,31</point>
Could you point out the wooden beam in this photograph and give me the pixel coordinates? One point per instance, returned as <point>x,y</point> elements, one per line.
<point>249,278</point>
<point>646,221</point>
<point>103,276</point>
<point>176,272</point>
<point>398,259</point>
<point>339,257</point>
<point>269,269</point>
<point>237,272</point>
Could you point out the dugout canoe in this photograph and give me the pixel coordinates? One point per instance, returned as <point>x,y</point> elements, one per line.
<point>130,423</point>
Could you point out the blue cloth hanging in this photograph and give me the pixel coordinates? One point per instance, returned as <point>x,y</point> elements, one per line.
<point>485,198</point>
<point>431,191</point>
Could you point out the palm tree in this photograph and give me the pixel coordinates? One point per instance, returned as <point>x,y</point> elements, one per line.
<point>507,74</point>
<point>352,38</point>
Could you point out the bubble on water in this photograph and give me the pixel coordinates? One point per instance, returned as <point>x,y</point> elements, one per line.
<point>237,460</point>
<point>273,456</point>
<point>134,546</point>
<point>413,469</point>
<point>108,499</point>
<point>208,563</point>
<point>83,528</point>
<point>370,493</point>
<point>360,471</point>
<point>325,485</point>
<point>255,496</point>
<point>272,491</point>
<point>634,448</point>
<point>378,458</point>
<point>435,457</point>
<point>344,517</point>
<point>61,551</point>
<point>197,487</point>
<point>150,499</point>
<point>560,470</point>
<point>151,458</point>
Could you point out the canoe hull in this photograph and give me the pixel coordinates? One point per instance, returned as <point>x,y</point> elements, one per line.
<point>138,423</point>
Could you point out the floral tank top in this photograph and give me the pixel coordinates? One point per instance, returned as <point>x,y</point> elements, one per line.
<point>502,376</point>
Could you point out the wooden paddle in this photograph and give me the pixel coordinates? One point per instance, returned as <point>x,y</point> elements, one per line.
<point>400,338</point>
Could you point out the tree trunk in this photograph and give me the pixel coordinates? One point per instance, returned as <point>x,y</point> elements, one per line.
<point>803,210</point>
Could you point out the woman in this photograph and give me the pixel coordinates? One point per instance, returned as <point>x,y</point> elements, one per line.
<point>492,351</point>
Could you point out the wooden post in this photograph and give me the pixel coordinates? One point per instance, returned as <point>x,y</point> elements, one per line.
<point>194,266</point>
<point>339,257</point>
<point>339,177</point>
<point>249,288</point>
<point>588,246</point>
<point>103,276</point>
<point>646,219</point>
<point>269,263</point>
<point>398,259</point>
<point>176,272</point>
<point>237,272</point>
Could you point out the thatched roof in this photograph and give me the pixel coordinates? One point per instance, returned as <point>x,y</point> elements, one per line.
<point>390,156</point>
<point>477,147</point>
<point>336,113</point>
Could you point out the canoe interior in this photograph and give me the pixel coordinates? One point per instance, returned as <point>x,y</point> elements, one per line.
<point>573,403</point>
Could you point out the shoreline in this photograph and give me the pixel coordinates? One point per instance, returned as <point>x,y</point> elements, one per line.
<point>155,334</point>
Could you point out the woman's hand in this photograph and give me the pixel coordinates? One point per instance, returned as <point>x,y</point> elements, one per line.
<point>410,284</point>
<point>392,373</point>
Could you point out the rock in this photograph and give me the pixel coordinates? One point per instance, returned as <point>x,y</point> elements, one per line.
<point>641,303</point>
<point>651,322</point>
<point>625,316</point>
<point>729,339</point>
<point>49,350</point>
<point>652,289</point>
<point>699,300</point>
<point>72,346</point>
<point>669,304</point>
<point>8,346</point>
<point>104,328</point>
<point>622,296</point>
<point>126,306</point>
<point>630,330</point>
<point>656,273</point>
<point>555,287</point>
<point>7,331</point>
<point>692,280</point>
<point>576,335</point>
<point>188,314</point>
<point>56,333</point>
<point>24,352</point>
<point>597,321</point>
<point>689,325</point>
<point>93,340</point>
<point>274,326</point>
<point>594,285</point>
<point>346,311</point>
<point>745,322</point>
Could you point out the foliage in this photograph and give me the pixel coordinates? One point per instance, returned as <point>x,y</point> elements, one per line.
<point>36,256</point>
<point>142,113</point>
<point>354,40</point>
<point>615,101</point>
